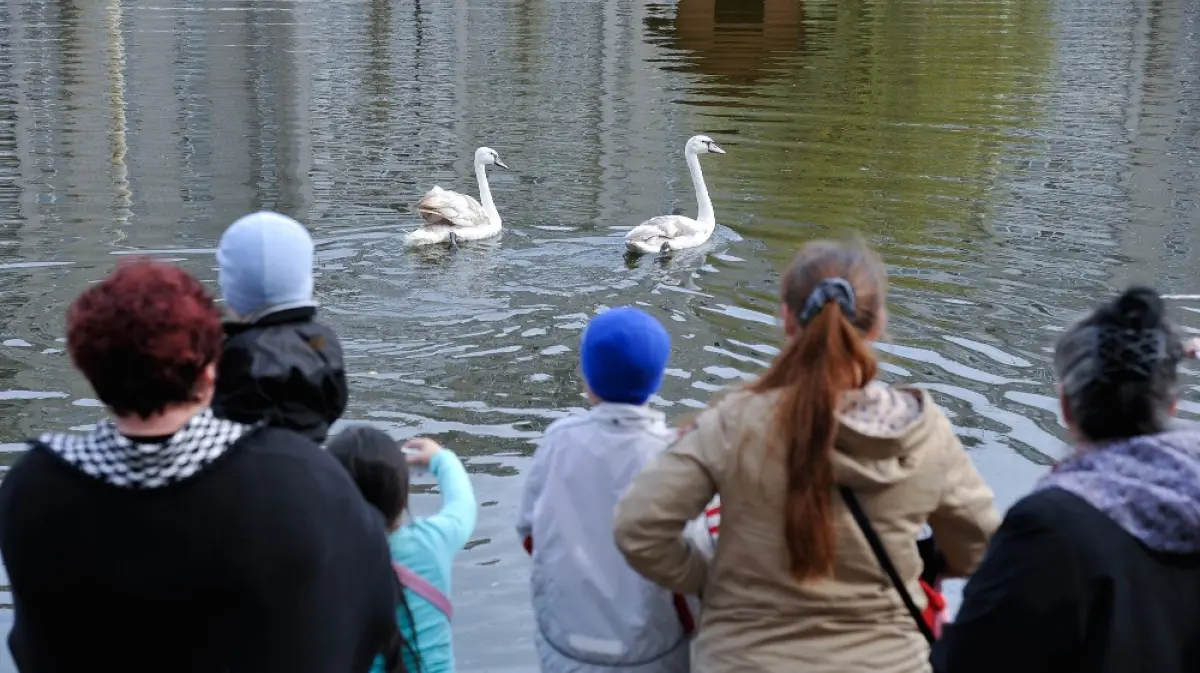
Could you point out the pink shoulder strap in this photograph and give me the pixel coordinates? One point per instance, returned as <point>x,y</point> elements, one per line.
<point>424,588</point>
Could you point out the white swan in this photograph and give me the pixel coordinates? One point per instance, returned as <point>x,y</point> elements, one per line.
<point>454,217</point>
<point>674,232</point>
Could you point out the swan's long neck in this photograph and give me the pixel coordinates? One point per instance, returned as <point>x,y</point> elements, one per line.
<point>485,193</point>
<point>705,213</point>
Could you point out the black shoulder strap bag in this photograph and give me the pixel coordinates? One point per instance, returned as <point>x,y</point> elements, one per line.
<point>885,561</point>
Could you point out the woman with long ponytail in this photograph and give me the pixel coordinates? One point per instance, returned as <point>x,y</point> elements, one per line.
<point>795,584</point>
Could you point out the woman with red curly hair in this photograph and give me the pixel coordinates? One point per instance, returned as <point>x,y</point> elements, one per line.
<point>167,539</point>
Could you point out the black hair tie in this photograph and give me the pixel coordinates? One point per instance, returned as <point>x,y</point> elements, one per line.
<point>829,289</point>
<point>1127,354</point>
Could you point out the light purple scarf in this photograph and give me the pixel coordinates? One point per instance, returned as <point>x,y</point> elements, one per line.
<point>1148,485</point>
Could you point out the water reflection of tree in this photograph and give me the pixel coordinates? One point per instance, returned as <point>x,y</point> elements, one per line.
<point>888,116</point>
<point>10,154</point>
<point>735,40</point>
<point>1163,127</point>
<point>379,86</point>
<point>11,220</point>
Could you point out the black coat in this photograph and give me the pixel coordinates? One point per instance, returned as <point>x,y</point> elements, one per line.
<point>266,561</point>
<point>1064,589</point>
<point>287,369</point>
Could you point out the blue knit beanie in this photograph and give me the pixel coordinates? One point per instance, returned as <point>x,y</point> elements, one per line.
<point>266,262</point>
<point>624,353</point>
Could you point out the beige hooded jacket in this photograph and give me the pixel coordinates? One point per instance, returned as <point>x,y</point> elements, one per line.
<point>895,448</point>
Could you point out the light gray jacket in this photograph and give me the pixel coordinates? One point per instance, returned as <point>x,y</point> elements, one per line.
<point>593,612</point>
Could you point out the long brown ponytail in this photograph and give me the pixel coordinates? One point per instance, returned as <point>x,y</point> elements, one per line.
<point>834,293</point>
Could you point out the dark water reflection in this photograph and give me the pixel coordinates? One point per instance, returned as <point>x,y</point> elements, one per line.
<point>1012,161</point>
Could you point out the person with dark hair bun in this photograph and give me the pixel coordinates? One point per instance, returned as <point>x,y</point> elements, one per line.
<point>1098,570</point>
<point>165,538</point>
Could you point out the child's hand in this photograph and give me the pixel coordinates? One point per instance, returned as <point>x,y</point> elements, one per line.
<point>1191,348</point>
<point>420,451</point>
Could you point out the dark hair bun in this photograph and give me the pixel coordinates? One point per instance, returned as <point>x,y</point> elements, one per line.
<point>1136,308</point>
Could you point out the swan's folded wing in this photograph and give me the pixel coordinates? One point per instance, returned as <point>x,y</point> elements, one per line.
<point>663,226</point>
<point>440,206</point>
<point>686,226</point>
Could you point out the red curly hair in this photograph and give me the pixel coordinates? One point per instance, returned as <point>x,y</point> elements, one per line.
<point>143,337</point>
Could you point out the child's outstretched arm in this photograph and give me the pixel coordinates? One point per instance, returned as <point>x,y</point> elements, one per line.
<point>535,481</point>
<point>455,521</point>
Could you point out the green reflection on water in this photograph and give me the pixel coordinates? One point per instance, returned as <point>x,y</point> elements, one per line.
<point>888,117</point>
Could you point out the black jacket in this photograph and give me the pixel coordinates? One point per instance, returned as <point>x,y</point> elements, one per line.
<point>1064,589</point>
<point>264,559</point>
<point>287,369</point>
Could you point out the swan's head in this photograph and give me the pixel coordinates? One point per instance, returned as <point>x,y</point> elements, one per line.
<point>703,145</point>
<point>487,156</point>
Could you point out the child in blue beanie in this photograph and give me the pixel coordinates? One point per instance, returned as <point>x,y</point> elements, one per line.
<point>593,611</point>
<point>278,364</point>
<point>624,354</point>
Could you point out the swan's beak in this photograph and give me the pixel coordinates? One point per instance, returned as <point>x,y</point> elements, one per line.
<point>501,164</point>
<point>715,149</point>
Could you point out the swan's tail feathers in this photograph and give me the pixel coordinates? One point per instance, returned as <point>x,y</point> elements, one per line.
<point>644,247</point>
<point>430,206</point>
<point>424,199</point>
<point>431,216</point>
<point>426,236</point>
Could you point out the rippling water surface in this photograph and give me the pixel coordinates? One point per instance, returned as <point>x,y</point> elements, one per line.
<point>1013,161</point>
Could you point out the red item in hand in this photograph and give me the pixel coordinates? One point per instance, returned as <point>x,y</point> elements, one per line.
<point>935,608</point>
<point>685,615</point>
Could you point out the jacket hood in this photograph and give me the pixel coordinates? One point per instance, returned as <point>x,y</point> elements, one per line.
<point>635,415</point>
<point>1148,485</point>
<point>287,370</point>
<point>881,428</point>
<point>265,259</point>
<point>276,315</point>
<point>881,431</point>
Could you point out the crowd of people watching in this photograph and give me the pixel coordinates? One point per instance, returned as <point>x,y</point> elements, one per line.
<point>802,523</point>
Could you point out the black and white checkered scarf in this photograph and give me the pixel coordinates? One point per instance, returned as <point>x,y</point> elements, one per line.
<point>107,455</point>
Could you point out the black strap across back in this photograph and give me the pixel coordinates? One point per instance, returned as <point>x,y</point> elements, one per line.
<point>881,555</point>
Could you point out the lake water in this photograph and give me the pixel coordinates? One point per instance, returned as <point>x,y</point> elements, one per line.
<point>1013,162</point>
